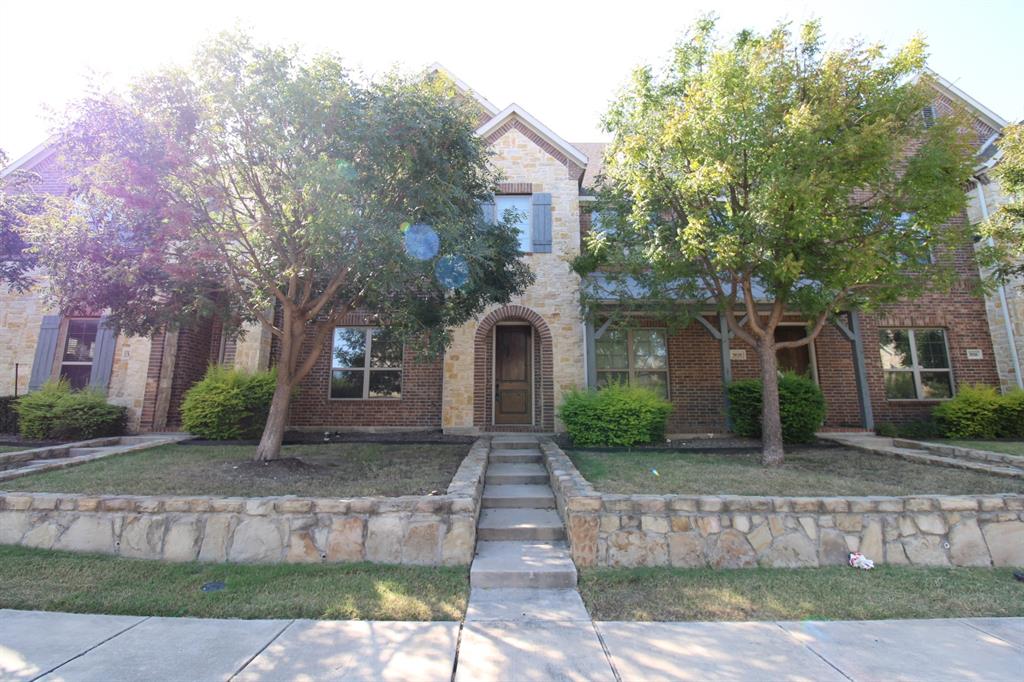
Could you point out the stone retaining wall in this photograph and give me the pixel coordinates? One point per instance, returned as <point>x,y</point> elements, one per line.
<point>736,531</point>
<point>427,530</point>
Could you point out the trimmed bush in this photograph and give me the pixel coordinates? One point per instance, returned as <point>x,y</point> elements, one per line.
<point>972,413</point>
<point>228,404</point>
<point>1010,415</point>
<point>8,415</point>
<point>801,407</point>
<point>615,415</point>
<point>55,412</point>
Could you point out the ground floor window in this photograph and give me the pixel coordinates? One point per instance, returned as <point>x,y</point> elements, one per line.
<point>638,357</point>
<point>79,348</point>
<point>366,362</point>
<point>916,364</point>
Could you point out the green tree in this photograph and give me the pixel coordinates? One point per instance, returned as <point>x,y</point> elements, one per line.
<point>17,202</point>
<point>1007,224</point>
<point>257,180</point>
<point>764,175</point>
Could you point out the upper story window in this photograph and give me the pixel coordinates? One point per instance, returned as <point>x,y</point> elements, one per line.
<point>638,357</point>
<point>365,363</point>
<point>79,348</point>
<point>521,204</point>
<point>915,363</point>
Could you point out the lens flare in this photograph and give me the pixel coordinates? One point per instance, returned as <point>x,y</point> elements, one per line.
<point>346,170</point>
<point>452,271</point>
<point>421,242</point>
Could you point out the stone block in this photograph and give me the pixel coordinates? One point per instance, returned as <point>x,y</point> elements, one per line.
<point>794,550</point>
<point>302,548</point>
<point>919,504</point>
<point>895,554</point>
<point>654,524</point>
<point>584,504</point>
<point>925,550</point>
<point>649,504</point>
<point>345,539</point>
<point>710,504</point>
<point>832,550</point>
<point>834,505</point>
<point>422,543</point>
<point>992,504</point>
<point>261,506</point>
<point>457,547</point>
<point>677,503</point>
<point>149,505</point>
<point>686,550</point>
<point>967,546</point>
<point>177,504</point>
<point>583,534</point>
<point>1005,542</point>
<point>362,505</point>
<point>181,542</point>
<point>87,504</point>
<point>630,548</point>
<point>142,536</point>
<point>13,502</point>
<point>960,503</point>
<point>88,533</point>
<point>294,506</point>
<point>760,538</point>
<point>708,525</point>
<point>13,525</point>
<point>871,540</point>
<point>44,501</point>
<point>730,549</point>
<point>809,526</point>
<point>216,535</point>
<point>934,524</point>
<point>776,525</point>
<point>384,535</point>
<point>890,504</point>
<point>805,504</point>
<point>850,523</point>
<point>609,523</point>
<point>231,505</point>
<point>324,506</point>
<point>43,535</point>
<point>463,505</point>
<point>258,539</point>
<point>740,522</point>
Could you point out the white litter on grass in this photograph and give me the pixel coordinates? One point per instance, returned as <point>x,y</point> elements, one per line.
<point>858,560</point>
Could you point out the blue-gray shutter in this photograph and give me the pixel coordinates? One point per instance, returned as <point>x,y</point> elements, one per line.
<point>46,349</point>
<point>541,223</point>
<point>102,356</point>
<point>487,209</point>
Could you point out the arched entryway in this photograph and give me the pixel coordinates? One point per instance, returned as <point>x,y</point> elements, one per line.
<point>523,343</point>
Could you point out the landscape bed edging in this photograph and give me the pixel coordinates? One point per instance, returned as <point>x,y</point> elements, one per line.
<point>733,531</point>
<point>429,530</point>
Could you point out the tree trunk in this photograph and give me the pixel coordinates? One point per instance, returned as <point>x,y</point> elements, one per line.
<point>771,422</point>
<point>277,420</point>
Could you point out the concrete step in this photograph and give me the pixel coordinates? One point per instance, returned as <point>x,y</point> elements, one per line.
<point>521,496</point>
<point>520,524</point>
<point>516,443</point>
<point>512,474</point>
<point>522,564</point>
<point>515,456</point>
<point>945,450</point>
<point>923,457</point>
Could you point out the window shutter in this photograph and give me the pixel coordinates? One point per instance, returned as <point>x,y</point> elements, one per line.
<point>46,349</point>
<point>103,356</point>
<point>541,223</point>
<point>487,209</point>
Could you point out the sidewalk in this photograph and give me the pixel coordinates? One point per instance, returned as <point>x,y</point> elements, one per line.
<point>61,646</point>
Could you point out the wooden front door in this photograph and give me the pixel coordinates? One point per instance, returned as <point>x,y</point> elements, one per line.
<point>513,375</point>
<point>793,359</point>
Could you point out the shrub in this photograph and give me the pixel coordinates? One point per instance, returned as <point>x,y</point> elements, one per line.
<point>615,415</point>
<point>8,415</point>
<point>228,404</point>
<point>801,407</point>
<point>56,412</point>
<point>972,413</point>
<point>1010,415</point>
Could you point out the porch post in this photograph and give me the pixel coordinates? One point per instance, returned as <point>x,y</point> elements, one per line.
<point>723,345</point>
<point>867,417</point>
<point>591,350</point>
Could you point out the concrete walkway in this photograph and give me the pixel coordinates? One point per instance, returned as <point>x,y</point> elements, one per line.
<point>553,643</point>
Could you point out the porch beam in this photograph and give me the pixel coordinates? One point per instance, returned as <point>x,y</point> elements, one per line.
<point>863,394</point>
<point>710,327</point>
<point>591,351</point>
<point>602,329</point>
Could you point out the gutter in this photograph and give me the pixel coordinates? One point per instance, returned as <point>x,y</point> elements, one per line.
<point>1007,322</point>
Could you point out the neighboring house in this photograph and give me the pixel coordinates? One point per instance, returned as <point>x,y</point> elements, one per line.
<point>509,369</point>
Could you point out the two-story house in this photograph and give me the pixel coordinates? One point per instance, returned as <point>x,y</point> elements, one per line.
<point>509,369</point>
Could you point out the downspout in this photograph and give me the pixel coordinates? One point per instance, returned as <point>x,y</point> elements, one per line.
<point>1007,322</point>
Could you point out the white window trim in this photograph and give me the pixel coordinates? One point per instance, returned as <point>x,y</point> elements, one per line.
<point>632,371</point>
<point>365,369</point>
<point>915,368</point>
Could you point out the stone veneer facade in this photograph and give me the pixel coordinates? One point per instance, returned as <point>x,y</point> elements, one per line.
<point>726,531</point>
<point>554,297</point>
<point>430,530</point>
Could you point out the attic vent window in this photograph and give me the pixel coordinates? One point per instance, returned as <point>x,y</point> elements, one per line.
<point>928,113</point>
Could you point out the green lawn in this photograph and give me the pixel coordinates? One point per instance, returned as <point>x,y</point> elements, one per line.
<point>89,583</point>
<point>14,448</point>
<point>833,593</point>
<point>327,470</point>
<point>806,471</point>
<point>1007,447</point>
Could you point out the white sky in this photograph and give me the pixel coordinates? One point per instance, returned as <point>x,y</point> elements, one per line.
<point>562,61</point>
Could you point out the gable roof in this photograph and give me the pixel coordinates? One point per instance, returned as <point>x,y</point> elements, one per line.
<point>463,87</point>
<point>595,154</point>
<point>515,113</point>
<point>984,113</point>
<point>37,155</point>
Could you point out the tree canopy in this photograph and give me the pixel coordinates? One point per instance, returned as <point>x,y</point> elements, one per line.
<point>763,174</point>
<point>255,179</point>
<point>18,202</point>
<point>1007,224</point>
